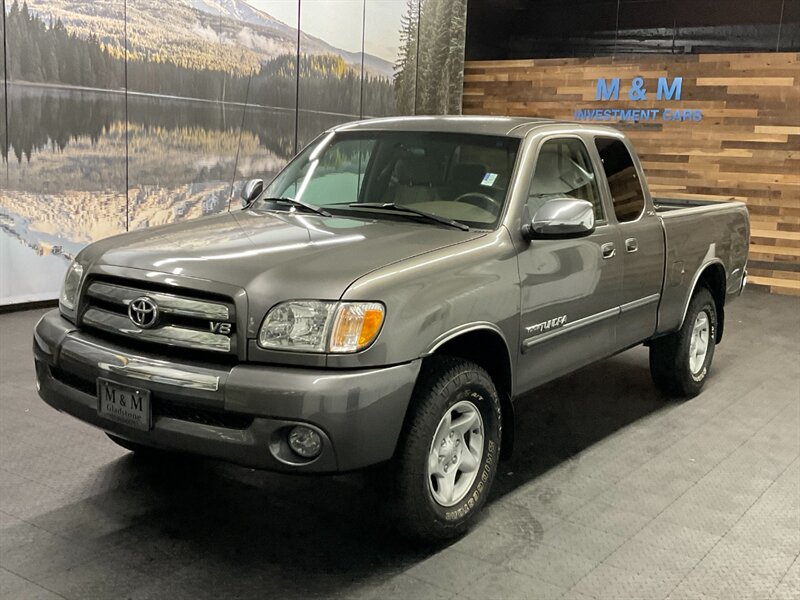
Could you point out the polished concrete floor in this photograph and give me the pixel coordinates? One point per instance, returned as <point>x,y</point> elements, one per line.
<point>613,493</point>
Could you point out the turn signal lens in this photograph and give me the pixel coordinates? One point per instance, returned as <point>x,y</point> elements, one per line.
<point>356,326</point>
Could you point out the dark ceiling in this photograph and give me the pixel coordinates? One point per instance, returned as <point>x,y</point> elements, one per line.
<point>514,29</point>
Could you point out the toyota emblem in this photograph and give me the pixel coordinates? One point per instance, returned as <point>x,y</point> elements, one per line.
<point>143,312</point>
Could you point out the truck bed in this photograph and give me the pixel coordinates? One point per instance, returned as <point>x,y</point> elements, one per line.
<point>689,225</point>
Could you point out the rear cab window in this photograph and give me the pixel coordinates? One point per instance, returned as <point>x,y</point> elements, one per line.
<point>627,195</point>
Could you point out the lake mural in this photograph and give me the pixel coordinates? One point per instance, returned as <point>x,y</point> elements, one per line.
<point>121,114</point>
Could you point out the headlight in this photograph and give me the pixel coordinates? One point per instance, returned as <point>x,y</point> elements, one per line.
<point>320,326</point>
<point>71,286</point>
<point>301,325</point>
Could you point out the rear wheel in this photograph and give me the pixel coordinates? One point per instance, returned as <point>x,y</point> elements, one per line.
<point>449,450</point>
<point>679,362</point>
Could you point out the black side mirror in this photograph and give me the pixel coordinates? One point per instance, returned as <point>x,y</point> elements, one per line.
<point>561,218</point>
<point>251,190</point>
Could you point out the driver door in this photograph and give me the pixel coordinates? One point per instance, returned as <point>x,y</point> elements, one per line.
<point>569,287</point>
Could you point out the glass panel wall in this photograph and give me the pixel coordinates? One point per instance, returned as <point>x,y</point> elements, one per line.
<point>125,114</point>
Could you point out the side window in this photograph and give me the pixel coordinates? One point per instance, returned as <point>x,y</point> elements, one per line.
<point>626,189</point>
<point>564,169</point>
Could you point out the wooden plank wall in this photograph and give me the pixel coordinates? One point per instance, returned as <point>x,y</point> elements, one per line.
<point>746,147</point>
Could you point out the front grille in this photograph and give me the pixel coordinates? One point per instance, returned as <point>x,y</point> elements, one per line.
<point>180,321</point>
<point>162,407</point>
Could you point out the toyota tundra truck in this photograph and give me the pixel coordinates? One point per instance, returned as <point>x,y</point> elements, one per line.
<point>387,298</point>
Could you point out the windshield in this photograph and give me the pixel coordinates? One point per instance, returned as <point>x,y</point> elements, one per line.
<point>463,177</point>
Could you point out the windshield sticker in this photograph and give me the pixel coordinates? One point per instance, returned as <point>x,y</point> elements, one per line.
<point>488,179</point>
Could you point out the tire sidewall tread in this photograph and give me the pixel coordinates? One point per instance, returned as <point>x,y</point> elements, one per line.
<point>444,382</point>
<point>669,355</point>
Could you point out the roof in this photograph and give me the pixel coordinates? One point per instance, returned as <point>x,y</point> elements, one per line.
<point>486,125</point>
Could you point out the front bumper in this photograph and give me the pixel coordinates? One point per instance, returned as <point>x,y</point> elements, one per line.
<point>237,413</point>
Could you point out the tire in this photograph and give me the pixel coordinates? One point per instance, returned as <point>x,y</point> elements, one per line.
<point>676,366</point>
<point>426,507</point>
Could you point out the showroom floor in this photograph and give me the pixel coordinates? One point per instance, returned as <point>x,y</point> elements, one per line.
<point>612,493</point>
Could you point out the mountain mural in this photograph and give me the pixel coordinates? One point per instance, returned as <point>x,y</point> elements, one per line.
<point>123,114</point>
<point>239,10</point>
<point>226,35</point>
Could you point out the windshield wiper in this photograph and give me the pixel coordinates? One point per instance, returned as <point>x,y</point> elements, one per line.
<point>301,204</point>
<point>408,209</point>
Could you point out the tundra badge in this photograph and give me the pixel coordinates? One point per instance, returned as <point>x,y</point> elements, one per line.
<point>547,325</point>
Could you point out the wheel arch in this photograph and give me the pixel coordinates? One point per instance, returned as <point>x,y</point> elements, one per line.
<point>712,277</point>
<point>485,345</point>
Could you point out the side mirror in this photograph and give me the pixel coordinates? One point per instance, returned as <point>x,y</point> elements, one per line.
<point>251,190</point>
<point>561,218</point>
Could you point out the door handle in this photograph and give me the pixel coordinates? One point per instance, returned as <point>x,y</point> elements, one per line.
<point>631,245</point>
<point>609,250</point>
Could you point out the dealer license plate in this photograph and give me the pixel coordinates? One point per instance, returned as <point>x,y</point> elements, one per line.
<point>124,404</point>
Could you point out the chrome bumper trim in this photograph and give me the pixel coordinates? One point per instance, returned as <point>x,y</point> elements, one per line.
<point>84,351</point>
<point>163,374</point>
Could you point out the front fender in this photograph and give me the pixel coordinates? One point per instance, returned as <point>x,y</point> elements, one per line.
<point>431,297</point>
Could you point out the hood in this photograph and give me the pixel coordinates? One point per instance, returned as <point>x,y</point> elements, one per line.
<point>274,256</point>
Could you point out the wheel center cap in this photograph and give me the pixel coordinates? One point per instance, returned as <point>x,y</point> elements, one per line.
<point>451,452</point>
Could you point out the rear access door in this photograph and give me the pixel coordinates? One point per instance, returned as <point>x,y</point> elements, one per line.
<point>642,248</point>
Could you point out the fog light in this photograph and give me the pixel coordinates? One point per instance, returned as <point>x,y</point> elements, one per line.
<point>304,441</point>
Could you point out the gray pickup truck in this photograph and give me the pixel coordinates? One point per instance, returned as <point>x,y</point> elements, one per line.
<point>385,299</point>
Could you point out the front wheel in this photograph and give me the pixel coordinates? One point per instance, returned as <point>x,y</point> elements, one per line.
<point>449,449</point>
<point>679,362</point>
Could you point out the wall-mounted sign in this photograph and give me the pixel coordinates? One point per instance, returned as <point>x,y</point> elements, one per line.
<point>666,90</point>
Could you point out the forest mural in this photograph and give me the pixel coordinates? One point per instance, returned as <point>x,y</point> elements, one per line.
<point>121,114</point>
